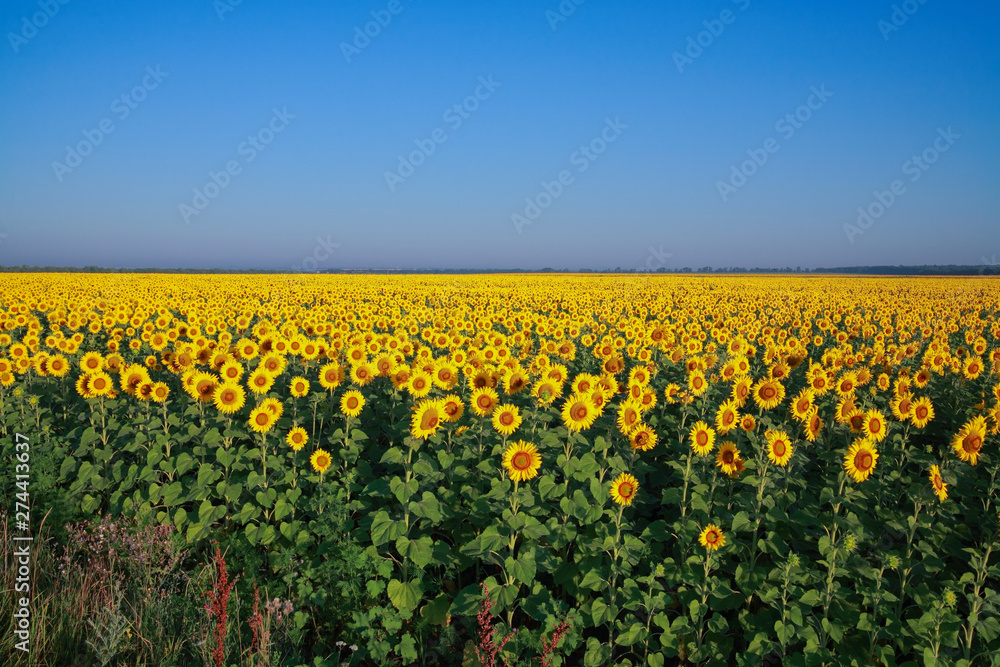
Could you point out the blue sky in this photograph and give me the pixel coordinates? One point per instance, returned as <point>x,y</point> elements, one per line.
<point>643,125</point>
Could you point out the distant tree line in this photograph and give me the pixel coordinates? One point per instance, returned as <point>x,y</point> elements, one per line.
<point>924,270</point>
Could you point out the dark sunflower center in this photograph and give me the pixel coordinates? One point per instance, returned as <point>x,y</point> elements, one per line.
<point>429,420</point>
<point>863,461</point>
<point>521,461</point>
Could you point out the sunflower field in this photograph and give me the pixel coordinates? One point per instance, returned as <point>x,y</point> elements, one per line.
<point>504,469</point>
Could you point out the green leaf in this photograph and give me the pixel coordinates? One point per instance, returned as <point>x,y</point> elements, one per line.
<point>403,490</point>
<point>281,509</point>
<point>592,580</point>
<point>547,487</point>
<point>405,596</point>
<point>428,508</point>
<point>435,612</point>
<point>171,493</point>
<point>522,569</point>
<point>810,598</point>
<point>419,551</point>
<point>599,611</point>
<point>393,455</point>
<point>740,520</point>
<point>384,529</point>
<point>597,654</point>
<point>184,463</point>
<point>407,648</point>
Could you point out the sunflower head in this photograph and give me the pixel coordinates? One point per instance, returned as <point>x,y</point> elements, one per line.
<point>702,438</point>
<point>522,461</point>
<point>712,538</point>
<point>624,488</point>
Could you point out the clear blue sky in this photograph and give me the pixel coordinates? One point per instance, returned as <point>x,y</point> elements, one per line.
<point>657,185</point>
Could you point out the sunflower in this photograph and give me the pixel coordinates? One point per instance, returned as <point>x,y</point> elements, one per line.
<point>261,420</point>
<point>578,412</point>
<point>629,417</point>
<point>231,371</point>
<point>229,398</point>
<point>846,384</point>
<point>642,438</point>
<point>874,426</point>
<point>484,400</point>
<point>748,423</point>
<point>921,412</point>
<point>727,458</point>
<point>672,393</point>
<point>160,392</point>
<point>299,387</point>
<point>779,447</point>
<point>802,404</point>
<point>702,438</point>
<point>363,373</point>
<point>813,425</point>
<point>320,460</point>
<point>522,461</point>
<point>727,417</point>
<point>972,368</point>
<point>741,391</point>
<point>100,384</point>
<point>902,407</point>
<point>91,362</point>
<point>697,384</point>
<point>453,408</point>
<point>506,419</point>
<point>546,391</point>
<point>352,403</point>
<point>331,375</point>
<point>768,393</point>
<point>82,385</point>
<point>297,438</point>
<point>624,488</point>
<point>260,381</point>
<point>514,381</point>
<point>937,481</point>
<point>273,406</point>
<point>861,459</point>
<point>445,375</point>
<point>968,442</point>
<point>427,419</point>
<point>712,538</point>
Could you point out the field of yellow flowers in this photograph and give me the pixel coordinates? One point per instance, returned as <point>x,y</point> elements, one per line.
<point>616,470</point>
